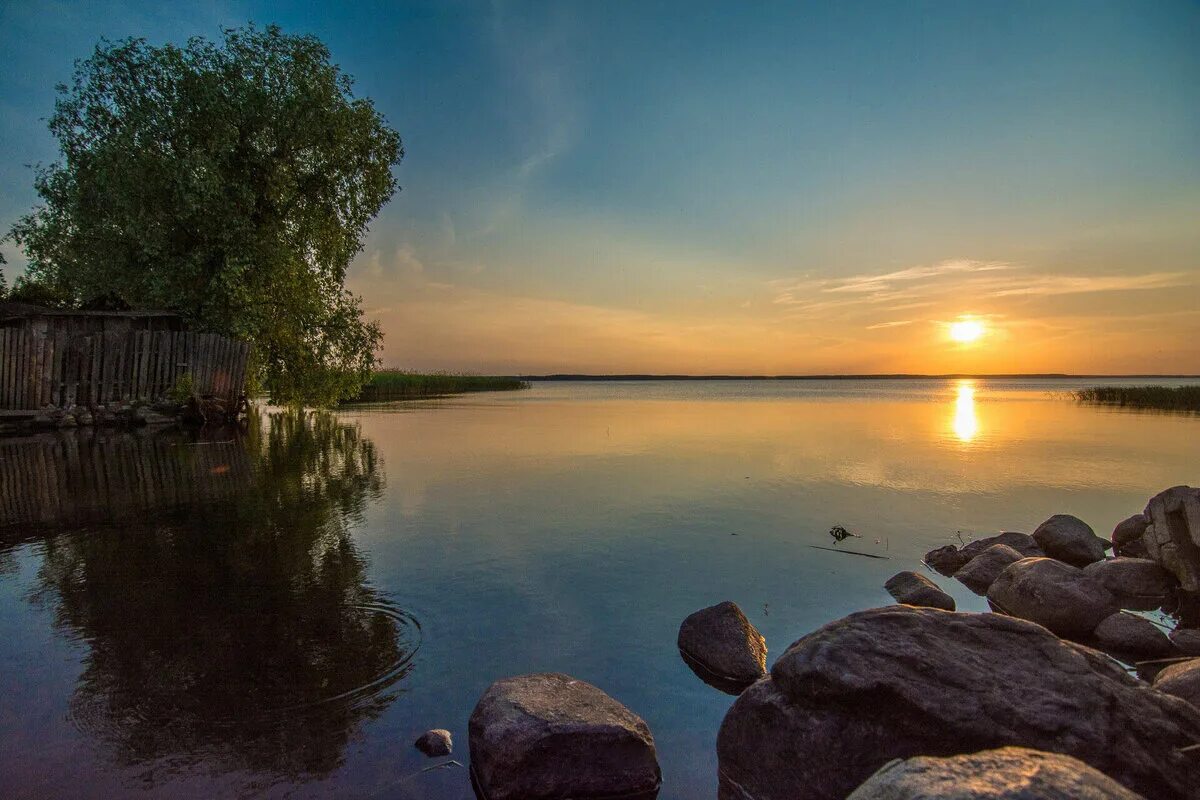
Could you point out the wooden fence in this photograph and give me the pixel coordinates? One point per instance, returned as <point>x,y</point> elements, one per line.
<point>59,369</point>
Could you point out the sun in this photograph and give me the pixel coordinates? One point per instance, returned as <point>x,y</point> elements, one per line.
<point>967,330</point>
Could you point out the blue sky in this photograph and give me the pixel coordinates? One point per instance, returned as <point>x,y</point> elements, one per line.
<point>696,187</point>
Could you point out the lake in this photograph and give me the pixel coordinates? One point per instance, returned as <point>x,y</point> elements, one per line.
<point>282,610</point>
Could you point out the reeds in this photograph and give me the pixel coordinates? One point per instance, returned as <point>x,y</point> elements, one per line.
<point>1163,398</point>
<point>394,384</point>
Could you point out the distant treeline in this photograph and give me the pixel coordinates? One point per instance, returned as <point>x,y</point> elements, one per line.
<point>1165,398</point>
<point>394,384</point>
<point>889,376</point>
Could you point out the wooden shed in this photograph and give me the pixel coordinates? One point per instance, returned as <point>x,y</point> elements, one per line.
<point>52,357</point>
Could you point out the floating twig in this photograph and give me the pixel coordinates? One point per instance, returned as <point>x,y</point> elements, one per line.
<point>847,552</point>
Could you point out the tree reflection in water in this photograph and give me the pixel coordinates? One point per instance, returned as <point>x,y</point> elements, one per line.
<point>239,633</point>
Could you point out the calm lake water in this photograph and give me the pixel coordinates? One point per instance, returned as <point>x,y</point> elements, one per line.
<point>281,611</point>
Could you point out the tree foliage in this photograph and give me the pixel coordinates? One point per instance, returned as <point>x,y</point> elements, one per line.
<point>230,181</point>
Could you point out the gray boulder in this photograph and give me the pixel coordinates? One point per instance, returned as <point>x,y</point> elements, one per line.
<point>723,647</point>
<point>1137,583</point>
<point>549,736</point>
<point>1173,536</point>
<point>1009,773</point>
<point>1069,539</point>
<point>898,682</point>
<point>1060,597</point>
<point>1186,640</point>
<point>1127,536</point>
<point>1130,635</point>
<point>914,589</point>
<point>947,559</point>
<point>1181,680</point>
<point>436,742</point>
<point>1023,543</point>
<point>982,570</point>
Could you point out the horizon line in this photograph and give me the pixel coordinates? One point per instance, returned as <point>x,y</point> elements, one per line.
<point>584,376</point>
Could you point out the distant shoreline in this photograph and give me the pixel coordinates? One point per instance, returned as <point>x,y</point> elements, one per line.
<point>883,376</point>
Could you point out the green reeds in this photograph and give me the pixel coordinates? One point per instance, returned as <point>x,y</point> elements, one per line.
<point>1163,398</point>
<point>394,384</point>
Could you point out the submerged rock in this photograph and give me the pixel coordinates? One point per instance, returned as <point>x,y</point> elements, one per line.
<point>1127,536</point>
<point>898,682</point>
<point>1173,536</point>
<point>914,589</point>
<point>1060,597</point>
<point>436,742</point>
<point>1070,539</point>
<point>1009,773</point>
<point>982,570</point>
<point>723,647</point>
<point>1131,635</point>
<point>1181,680</point>
<point>947,559</point>
<point>549,736</point>
<point>1137,583</point>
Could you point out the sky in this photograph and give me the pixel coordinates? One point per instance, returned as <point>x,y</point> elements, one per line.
<point>766,188</point>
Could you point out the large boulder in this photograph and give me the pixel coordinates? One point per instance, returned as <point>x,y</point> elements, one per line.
<point>898,682</point>
<point>1181,680</point>
<point>1137,583</point>
<point>1186,640</point>
<point>1009,773</point>
<point>914,589</point>
<point>1023,543</point>
<point>982,570</point>
<point>1128,635</point>
<point>1069,539</point>
<point>1127,536</point>
<point>723,647</point>
<point>1173,536</point>
<point>549,736</point>
<point>1061,597</point>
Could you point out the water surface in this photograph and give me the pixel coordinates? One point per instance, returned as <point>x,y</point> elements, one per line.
<point>281,610</point>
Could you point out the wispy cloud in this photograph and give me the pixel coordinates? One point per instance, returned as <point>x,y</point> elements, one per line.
<point>893,324</point>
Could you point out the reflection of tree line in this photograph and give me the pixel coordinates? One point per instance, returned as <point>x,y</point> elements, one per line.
<point>241,633</point>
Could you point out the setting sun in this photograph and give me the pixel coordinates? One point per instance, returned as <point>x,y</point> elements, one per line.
<point>966,330</point>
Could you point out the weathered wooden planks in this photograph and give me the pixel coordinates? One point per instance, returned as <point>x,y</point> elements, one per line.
<point>47,367</point>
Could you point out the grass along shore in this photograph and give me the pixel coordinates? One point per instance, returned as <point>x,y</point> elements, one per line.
<point>1163,398</point>
<point>395,384</point>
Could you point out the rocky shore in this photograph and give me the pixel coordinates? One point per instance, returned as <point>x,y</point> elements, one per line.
<point>195,411</point>
<point>917,700</point>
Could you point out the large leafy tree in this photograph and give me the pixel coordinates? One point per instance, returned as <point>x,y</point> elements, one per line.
<point>232,181</point>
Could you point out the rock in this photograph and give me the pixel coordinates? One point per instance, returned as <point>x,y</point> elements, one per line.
<point>1009,773</point>
<point>436,742</point>
<point>1060,597</point>
<point>1187,640</point>
<point>946,560</point>
<point>900,681</point>
<point>1023,543</point>
<point>1127,536</point>
<point>982,570</point>
<point>723,647</point>
<point>1181,680</point>
<point>1137,583</point>
<point>914,589</point>
<point>1173,536</point>
<point>549,736</point>
<point>85,418</point>
<point>42,420</point>
<point>68,421</point>
<point>1069,539</point>
<point>1131,635</point>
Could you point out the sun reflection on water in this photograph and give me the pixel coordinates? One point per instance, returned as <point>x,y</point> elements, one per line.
<point>966,423</point>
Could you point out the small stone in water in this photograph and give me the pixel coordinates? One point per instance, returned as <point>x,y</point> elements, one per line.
<point>435,743</point>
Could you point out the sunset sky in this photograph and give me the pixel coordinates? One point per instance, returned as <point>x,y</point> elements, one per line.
<point>742,188</point>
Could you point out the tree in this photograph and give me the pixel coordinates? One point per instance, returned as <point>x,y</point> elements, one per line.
<point>232,182</point>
